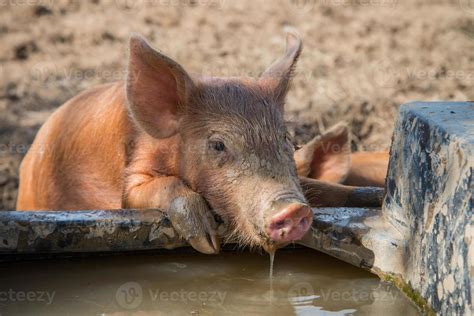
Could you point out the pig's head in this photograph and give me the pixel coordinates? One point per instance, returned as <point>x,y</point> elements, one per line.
<point>234,148</point>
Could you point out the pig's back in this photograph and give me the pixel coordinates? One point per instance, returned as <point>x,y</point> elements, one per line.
<point>77,158</point>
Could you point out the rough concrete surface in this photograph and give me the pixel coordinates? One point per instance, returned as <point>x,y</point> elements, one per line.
<point>429,201</point>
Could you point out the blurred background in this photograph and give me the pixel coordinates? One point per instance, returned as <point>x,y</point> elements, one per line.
<point>361,60</point>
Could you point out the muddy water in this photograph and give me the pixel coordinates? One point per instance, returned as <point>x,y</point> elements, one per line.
<point>304,283</point>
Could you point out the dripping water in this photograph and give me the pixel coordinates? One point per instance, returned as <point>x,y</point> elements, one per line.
<point>270,274</point>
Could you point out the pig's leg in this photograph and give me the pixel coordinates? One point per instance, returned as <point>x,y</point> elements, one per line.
<point>326,194</point>
<point>187,210</point>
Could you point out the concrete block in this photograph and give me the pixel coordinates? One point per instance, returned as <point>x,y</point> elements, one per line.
<point>422,239</point>
<point>429,201</point>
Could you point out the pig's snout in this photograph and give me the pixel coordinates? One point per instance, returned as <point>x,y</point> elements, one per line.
<point>290,223</point>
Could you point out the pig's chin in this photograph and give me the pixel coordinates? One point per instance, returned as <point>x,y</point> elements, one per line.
<point>263,241</point>
<point>272,247</point>
<point>248,233</point>
<point>254,238</point>
<point>245,234</point>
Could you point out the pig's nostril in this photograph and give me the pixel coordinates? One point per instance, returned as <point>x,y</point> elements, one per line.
<point>302,222</point>
<point>280,224</point>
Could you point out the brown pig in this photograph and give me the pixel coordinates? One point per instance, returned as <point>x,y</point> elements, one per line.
<point>328,158</point>
<point>193,146</point>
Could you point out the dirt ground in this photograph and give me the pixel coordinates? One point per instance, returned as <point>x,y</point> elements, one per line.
<point>362,58</point>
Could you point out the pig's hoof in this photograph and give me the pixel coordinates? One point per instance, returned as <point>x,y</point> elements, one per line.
<point>208,244</point>
<point>194,221</point>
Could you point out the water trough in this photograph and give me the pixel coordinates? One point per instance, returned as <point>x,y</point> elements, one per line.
<point>421,239</point>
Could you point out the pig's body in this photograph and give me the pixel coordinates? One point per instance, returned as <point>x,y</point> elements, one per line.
<point>195,147</point>
<point>368,169</point>
<point>78,158</point>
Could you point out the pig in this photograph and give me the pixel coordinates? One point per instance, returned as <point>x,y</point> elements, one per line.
<point>203,149</point>
<point>328,157</point>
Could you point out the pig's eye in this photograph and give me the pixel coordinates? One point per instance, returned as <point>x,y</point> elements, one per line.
<point>216,145</point>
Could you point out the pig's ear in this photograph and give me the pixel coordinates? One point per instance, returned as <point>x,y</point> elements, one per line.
<point>326,157</point>
<point>157,87</point>
<point>277,78</point>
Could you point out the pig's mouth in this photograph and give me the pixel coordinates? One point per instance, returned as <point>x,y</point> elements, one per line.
<point>286,225</point>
